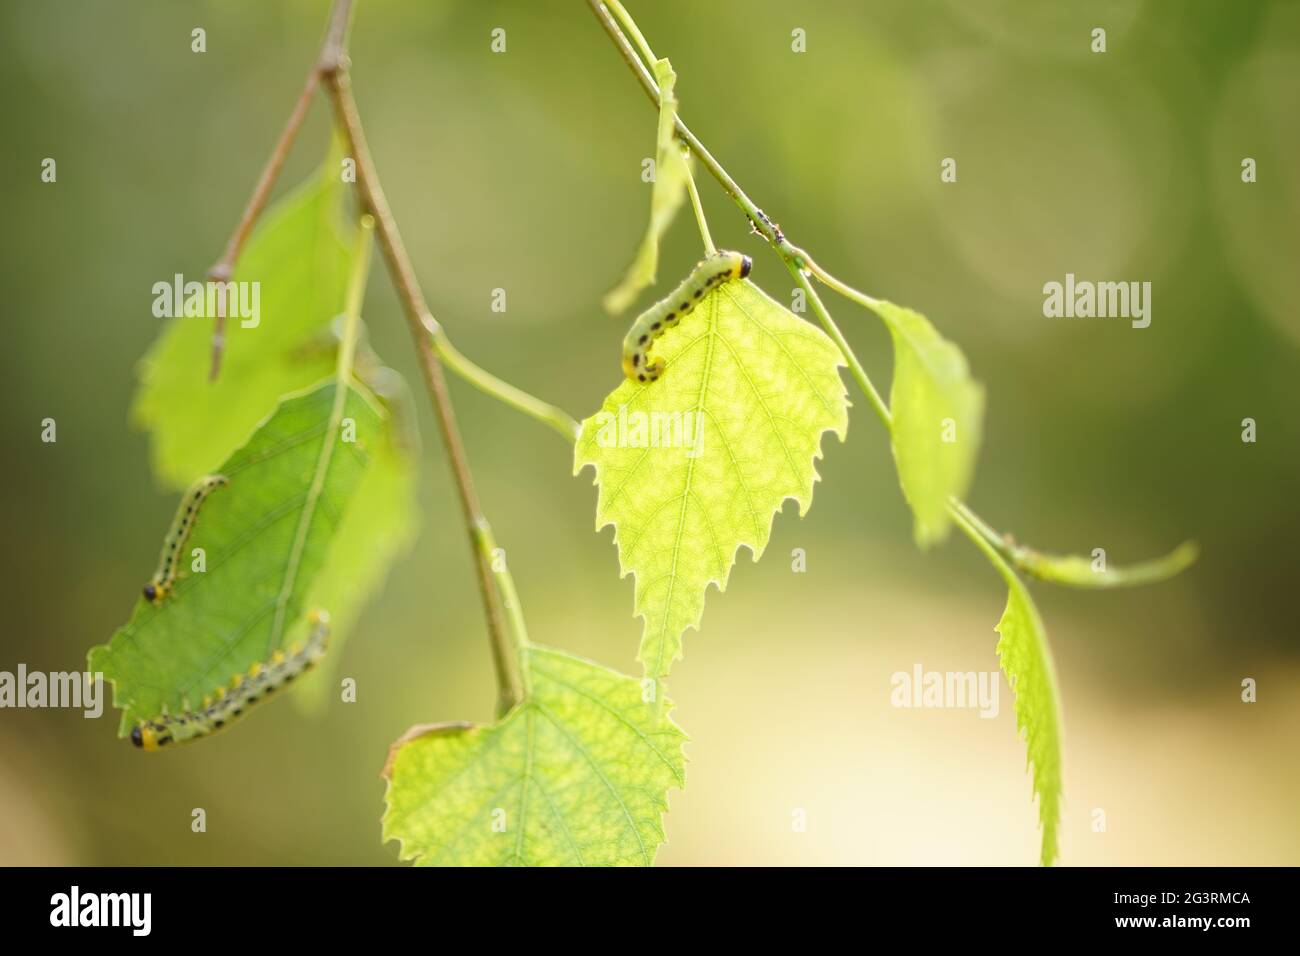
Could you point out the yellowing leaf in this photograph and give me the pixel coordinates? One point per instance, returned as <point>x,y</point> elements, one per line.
<point>695,465</point>
<point>938,414</point>
<point>576,774</point>
<point>666,195</point>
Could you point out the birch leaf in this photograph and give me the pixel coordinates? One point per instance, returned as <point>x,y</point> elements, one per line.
<point>695,465</point>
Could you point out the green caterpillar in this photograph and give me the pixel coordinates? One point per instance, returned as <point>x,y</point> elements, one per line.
<point>227,705</point>
<point>164,578</point>
<point>667,312</point>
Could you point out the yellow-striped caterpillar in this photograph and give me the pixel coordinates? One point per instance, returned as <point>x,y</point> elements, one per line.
<point>667,312</point>
<point>227,704</point>
<point>164,578</point>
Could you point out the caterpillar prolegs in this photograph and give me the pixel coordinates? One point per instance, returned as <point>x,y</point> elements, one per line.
<point>667,312</point>
<point>228,704</point>
<point>164,578</point>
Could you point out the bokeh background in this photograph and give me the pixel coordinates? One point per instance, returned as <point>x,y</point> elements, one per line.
<point>522,171</point>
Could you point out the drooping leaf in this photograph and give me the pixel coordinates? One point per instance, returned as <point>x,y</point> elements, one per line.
<point>1026,659</point>
<point>300,257</point>
<point>264,538</point>
<point>695,465</point>
<point>378,528</point>
<point>576,774</point>
<point>938,414</point>
<point>666,195</point>
<point>1077,571</point>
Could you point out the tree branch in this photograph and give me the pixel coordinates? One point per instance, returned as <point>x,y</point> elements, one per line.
<point>331,71</point>
<point>333,52</point>
<point>422,326</point>
<point>610,14</point>
<point>224,268</point>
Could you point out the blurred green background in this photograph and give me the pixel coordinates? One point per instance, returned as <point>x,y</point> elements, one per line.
<point>522,171</point>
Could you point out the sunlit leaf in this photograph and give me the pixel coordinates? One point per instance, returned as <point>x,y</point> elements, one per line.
<point>1027,661</point>
<point>938,417</point>
<point>695,465</point>
<point>576,774</point>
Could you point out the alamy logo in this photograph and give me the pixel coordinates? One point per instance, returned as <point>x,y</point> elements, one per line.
<point>651,430</point>
<point>71,689</point>
<point>242,300</point>
<point>946,689</point>
<point>103,909</point>
<point>1103,300</point>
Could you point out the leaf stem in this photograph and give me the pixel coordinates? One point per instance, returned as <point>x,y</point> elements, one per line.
<point>709,247</point>
<point>855,367</point>
<point>801,266</point>
<point>797,260</point>
<point>986,539</point>
<point>629,25</point>
<point>510,598</point>
<point>356,294</point>
<point>544,412</point>
<point>1071,571</point>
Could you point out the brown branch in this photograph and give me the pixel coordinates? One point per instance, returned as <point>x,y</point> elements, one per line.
<point>422,325</point>
<point>331,55</point>
<point>224,267</point>
<point>331,71</point>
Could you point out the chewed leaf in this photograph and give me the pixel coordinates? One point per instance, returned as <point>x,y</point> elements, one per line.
<point>938,412</point>
<point>576,774</point>
<point>666,195</point>
<point>695,465</point>
<point>1027,661</point>
<point>299,257</point>
<point>263,537</point>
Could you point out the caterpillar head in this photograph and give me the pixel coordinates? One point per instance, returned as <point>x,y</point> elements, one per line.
<point>149,737</point>
<point>639,368</point>
<point>651,371</point>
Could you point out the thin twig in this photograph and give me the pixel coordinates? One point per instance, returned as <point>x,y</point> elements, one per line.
<point>796,259</point>
<point>224,268</point>
<point>550,415</point>
<point>762,224</point>
<point>801,266</point>
<point>422,324</point>
<point>333,52</point>
<point>703,223</point>
<point>855,367</point>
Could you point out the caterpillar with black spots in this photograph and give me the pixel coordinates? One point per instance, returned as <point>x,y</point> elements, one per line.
<point>160,585</point>
<point>663,315</point>
<point>228,704</point>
